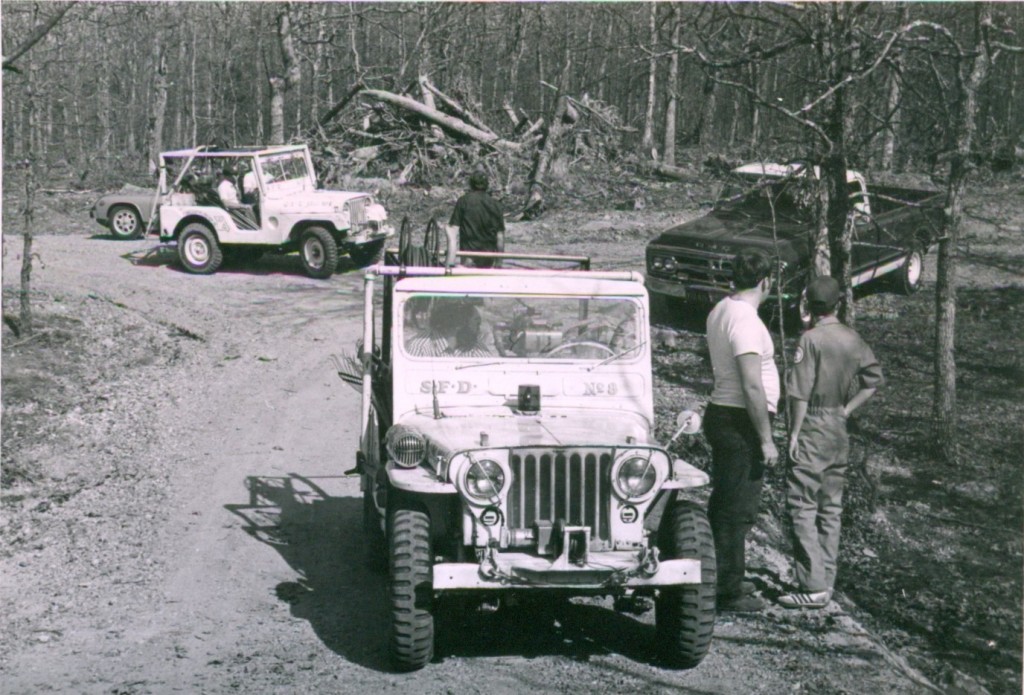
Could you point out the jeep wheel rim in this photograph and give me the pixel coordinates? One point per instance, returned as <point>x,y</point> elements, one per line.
<point>197,251</point>
<point>913,268</point>
<point>124,222</point>
<point>313,251</point>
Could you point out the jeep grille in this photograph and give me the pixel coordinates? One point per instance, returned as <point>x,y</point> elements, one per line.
<point>574,485</point>
<point>357,212</point>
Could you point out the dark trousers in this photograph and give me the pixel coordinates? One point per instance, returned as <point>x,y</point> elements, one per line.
<point>737,472</point>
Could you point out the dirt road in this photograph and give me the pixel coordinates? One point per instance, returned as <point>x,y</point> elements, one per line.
<point>220,549</point>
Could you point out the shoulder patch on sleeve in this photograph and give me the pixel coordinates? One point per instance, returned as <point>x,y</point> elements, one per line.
<point>798,356</point>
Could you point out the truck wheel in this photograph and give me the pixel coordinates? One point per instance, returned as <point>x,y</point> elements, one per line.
<point>908,277</point>
<point>319,253</point>
<point>365,255</point>
<point>198,249</point>
<point>685,614</point>
<point>409,590</point>
<point>125,222</point>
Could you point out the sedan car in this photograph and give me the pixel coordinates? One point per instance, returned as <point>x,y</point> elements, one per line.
<point>125,213</point>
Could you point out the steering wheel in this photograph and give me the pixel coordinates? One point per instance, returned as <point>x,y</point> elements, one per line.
<point>580,344</point>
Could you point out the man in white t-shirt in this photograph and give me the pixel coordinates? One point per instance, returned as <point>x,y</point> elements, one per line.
<point>738,422</point>
<point>243,215</point>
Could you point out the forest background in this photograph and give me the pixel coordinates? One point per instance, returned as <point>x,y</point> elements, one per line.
<point>577,105</point>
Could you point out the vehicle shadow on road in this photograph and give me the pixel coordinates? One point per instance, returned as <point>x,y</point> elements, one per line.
<point>268,264</point>
<point>320,537</point>
<point>553,627</point>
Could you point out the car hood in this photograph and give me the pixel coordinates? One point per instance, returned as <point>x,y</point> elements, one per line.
<point>727,231</point>
<point>496,428</point>
<point>318,201</point>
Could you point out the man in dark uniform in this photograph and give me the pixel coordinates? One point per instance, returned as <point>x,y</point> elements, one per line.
<point>834,372</point>
<point>480,221</point>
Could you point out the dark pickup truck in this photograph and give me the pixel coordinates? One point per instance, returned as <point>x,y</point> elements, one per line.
<point>768,206</point>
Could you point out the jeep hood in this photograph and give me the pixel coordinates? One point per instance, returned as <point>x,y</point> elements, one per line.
<point>318,200</point>
<point>499,428</point>
<point>728,231</point>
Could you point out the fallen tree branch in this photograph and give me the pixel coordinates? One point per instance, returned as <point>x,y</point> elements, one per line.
<point>459,109</point>
<point>449,122</point>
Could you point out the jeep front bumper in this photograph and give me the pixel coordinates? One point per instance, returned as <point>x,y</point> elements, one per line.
<point>602,571</point>
<point>368,233</point>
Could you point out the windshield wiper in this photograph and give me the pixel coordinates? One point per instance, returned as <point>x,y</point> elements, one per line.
<point>617,356</point>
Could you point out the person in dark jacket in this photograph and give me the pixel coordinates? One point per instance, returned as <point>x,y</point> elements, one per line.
<point>834,372</point>
<point>480,221</point>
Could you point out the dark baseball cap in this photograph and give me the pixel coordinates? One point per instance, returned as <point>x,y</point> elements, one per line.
<point>823,293</point>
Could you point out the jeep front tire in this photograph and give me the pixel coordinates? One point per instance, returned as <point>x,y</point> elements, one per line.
<point>198,249</point>
<point>685,614</point>
<point>410,590</point>
<point>319,252</point>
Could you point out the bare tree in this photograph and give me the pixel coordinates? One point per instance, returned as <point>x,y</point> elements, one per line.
<point>972,70</point>
<point>281,84</point>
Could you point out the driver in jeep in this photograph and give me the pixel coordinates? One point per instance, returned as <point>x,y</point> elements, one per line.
<point>242,214</point>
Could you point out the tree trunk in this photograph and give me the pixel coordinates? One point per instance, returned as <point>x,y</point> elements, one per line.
<point>25,294</point>
<point>280,85</point>
<point>647,140</point>
<point>159,108</point>
<point>672,85</point>
<point>972,74</point>
<point>535,199</point>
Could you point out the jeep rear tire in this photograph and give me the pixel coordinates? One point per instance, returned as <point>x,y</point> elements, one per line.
<point>198,249</point>
<point>125,222</point>
<point>364,255</point>
<point>685,615</point>
<point>410,592</point>
<point>319,253</point>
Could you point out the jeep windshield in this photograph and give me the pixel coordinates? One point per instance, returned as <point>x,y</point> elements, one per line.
<point>483,329</point>
<point>286,172</point>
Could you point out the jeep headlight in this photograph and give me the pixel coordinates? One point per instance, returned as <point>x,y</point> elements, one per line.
<point>636,472</point>
<point>405,446</point>
<point>484,479</point>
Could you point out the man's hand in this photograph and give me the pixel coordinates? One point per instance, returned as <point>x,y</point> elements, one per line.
<point>770,453</point>
<point>792,447</point>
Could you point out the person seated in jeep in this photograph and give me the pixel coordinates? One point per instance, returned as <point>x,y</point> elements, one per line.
<point>242,214</point>
<point>453,330</point>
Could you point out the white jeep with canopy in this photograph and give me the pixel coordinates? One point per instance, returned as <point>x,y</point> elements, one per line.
<point>507,448</point>
<point>279,208</point>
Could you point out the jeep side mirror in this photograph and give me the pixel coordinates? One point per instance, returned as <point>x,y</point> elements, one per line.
<point>688,422</point>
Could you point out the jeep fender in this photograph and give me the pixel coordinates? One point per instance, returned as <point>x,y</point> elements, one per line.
<point>418,480</point>
<point>217,220</point>
<point>297,230</point>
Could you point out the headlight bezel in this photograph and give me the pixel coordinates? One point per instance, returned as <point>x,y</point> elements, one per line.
<point>492,471</point>
<point>652,464</point>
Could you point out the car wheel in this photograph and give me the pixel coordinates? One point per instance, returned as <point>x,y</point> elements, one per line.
<point>125,222</point>
<point>365,255</point>
<point>684,615</point>
<point>908,277</point>
<point>410,590</point>
<point>319,253</point>
<point>198,249</point>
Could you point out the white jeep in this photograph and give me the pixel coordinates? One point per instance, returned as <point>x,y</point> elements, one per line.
<point>507,449</point>
<point>279,208</point>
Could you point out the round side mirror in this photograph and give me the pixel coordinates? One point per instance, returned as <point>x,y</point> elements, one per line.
<point>689,422</point>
